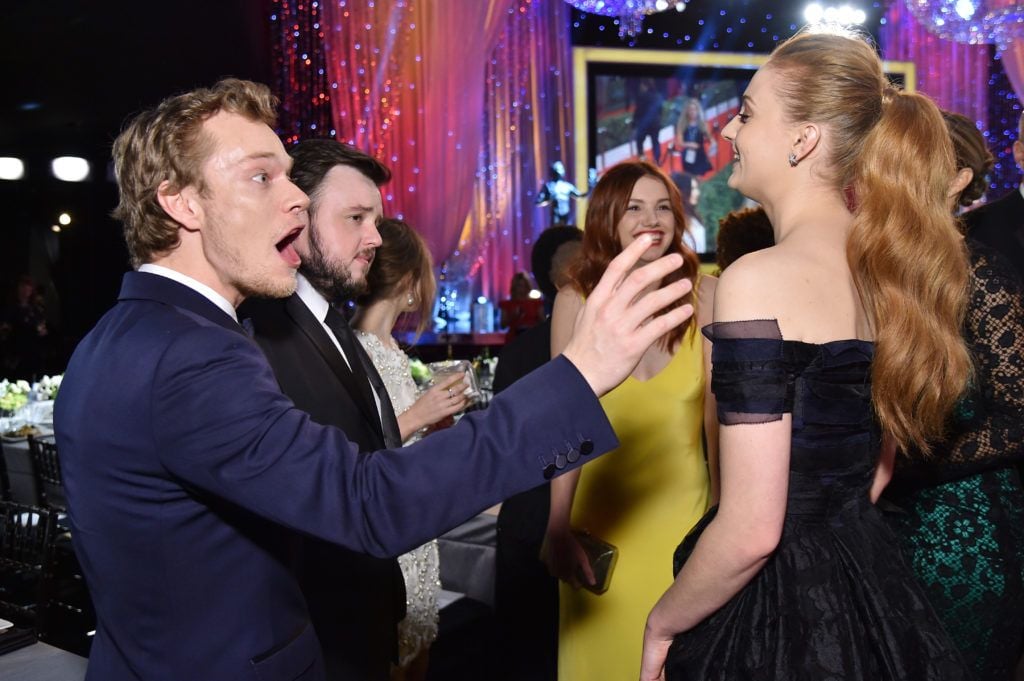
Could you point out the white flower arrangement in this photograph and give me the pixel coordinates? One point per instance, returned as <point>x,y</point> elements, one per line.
<point>13,395</point>
<point>16,394</point>
<point>47,387</point>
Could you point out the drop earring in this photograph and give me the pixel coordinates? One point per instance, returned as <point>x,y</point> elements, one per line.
<point>410,301</point>
<point>792,160</point>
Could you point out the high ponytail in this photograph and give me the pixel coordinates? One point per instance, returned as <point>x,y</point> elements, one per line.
<point>890,153</point>
<point>911,269</point>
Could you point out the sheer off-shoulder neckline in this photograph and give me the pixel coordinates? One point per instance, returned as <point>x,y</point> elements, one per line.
<point>764,329</point>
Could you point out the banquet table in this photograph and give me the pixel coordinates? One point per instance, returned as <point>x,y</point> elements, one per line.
<point>42,662</point>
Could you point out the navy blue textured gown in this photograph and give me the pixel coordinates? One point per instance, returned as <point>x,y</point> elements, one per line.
<point>835,601</point>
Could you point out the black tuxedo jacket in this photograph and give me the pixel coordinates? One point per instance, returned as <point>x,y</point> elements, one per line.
<point>355,600</point>
<point>1000,225</point>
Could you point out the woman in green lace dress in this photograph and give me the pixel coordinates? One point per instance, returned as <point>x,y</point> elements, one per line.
<point>960,514</point>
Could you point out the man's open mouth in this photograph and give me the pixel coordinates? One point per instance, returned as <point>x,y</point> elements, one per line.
<point>286,247</point>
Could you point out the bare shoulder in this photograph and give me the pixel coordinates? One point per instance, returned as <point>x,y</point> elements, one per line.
<point>568,301</point>
<point>749,288</point>
<point>564,311</point>
<point>705,298</point>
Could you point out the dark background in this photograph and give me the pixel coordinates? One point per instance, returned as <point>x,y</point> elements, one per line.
<point>72,72</point>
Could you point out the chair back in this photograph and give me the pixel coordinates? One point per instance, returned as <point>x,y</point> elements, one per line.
<point>5,480</point>
<point>27,534</point>
<point>46,470</point>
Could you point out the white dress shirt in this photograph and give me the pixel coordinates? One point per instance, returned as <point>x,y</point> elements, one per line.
<point>197,286</point>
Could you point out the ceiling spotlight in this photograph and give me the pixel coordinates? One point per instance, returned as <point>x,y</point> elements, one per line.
<point>11,168</point>
<point>965,8</point>
<point>70,168</point>
<point>844,15</point>
<point>55,229</point>
<point>64,219</point>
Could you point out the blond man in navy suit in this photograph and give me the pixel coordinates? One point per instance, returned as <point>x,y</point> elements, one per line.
<point>188,473</point>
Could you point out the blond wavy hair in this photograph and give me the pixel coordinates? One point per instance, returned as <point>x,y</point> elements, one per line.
<point>890,154</point>
<point>168,143</point>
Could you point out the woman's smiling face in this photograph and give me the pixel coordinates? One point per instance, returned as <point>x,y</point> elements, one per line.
<point>760,137</point>
<point>649,212</point>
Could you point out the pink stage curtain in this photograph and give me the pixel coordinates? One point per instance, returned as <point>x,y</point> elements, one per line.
<point>529,125</point>
<point>409,78</point>
<point>955,75</point>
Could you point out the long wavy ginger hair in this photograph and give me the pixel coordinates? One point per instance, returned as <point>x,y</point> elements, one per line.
<point>891,152</point>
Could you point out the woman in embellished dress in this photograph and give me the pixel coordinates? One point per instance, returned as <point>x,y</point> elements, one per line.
<point>960,513</point>
<point>658,413</point>
<point>845,331</point>
<point>402,281</point>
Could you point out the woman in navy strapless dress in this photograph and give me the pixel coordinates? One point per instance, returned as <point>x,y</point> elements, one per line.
<point>830,350</point>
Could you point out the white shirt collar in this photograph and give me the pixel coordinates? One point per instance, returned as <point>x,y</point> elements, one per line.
<point>197,286</point>
<point>313,299</point>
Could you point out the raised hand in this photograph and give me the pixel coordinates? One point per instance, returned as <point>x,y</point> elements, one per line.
<point>617,323</point>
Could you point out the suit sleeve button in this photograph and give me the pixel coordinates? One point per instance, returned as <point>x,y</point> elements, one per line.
<point>586,447</point>
<point>560,461</point>
<point>549,471</point>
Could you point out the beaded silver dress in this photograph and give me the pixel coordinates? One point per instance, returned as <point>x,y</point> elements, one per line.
<point>420,567</point>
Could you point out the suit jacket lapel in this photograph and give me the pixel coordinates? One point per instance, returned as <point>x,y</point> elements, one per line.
<point>313,330</point>
<point>148,286</point>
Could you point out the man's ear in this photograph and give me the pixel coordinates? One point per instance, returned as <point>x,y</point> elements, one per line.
<point>960,182</point>
<point>181,205</point>
<point>808,136</point>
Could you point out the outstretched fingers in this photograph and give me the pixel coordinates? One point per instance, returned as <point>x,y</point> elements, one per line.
<point>619,269</point>
<point>642,308</point>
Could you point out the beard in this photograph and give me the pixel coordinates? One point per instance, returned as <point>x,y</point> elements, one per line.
<point>331,278</point>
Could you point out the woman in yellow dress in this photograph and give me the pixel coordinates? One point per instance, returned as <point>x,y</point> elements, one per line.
<point>658,480</point>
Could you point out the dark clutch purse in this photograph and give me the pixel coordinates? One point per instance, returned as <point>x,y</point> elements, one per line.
<point>602,557</point>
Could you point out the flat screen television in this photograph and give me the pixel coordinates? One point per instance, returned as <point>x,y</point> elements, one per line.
<point>670,107</point>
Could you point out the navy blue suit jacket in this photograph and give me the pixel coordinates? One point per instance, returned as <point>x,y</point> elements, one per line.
<point>186,469</point>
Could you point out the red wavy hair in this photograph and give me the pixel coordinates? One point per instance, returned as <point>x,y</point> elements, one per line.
<point>608,203</point>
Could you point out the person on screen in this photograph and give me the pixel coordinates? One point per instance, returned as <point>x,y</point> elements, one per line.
<point>647,112</point>
<point>693,140</point>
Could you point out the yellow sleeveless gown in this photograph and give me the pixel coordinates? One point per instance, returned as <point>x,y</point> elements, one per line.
<point>643,498</point>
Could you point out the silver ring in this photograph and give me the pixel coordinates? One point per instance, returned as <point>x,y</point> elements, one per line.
<point>450,396</point>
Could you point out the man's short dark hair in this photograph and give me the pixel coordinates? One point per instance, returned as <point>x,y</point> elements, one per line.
<point>544,251</point>
<point>314,159</point>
